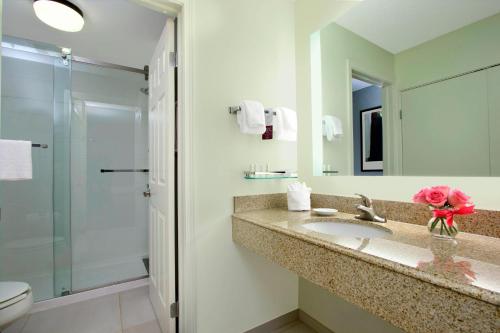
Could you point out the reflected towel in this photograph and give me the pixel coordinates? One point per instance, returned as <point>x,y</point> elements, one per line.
<point>332,128</point>
<point>15,160</point>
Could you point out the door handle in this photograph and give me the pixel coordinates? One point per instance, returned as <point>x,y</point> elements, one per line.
<point>147,193</point>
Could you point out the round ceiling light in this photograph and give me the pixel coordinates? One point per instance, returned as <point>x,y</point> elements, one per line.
<point>59,14</point>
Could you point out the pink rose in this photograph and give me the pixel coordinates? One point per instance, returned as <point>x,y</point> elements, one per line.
<point>420,196</point>
<point>437,195</point>
<point>457,198</point>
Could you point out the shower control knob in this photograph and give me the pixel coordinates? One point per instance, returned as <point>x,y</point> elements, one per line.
<point>147,193</point>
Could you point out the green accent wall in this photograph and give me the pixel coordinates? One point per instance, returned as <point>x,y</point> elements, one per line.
<point>363,56</point>
<point>493,77</point>
<point>471,47</point>
<point>455,120</point>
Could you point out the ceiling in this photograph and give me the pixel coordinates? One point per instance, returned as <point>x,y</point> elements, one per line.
<point>116,31</point>
<point>358,84</point>
<point>397,25</point>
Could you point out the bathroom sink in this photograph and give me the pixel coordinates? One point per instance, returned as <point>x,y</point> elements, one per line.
<point>347,229</point>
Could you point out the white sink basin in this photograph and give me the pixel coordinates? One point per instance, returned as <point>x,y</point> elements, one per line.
<point>347,229</point>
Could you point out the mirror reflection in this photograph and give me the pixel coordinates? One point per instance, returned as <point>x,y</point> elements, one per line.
<point>408,88</point>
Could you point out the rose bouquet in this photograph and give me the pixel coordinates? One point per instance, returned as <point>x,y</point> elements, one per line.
<point>445,204</point>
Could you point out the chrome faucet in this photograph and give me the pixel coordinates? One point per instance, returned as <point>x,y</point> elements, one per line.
<point>367,212</point>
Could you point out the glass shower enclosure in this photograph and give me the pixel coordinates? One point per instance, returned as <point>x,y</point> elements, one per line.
<point>81,222</point>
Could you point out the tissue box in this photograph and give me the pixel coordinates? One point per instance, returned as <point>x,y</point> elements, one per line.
<point>299,200</point>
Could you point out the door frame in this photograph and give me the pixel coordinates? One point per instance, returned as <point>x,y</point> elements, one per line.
<point>355,70</point>
<point>183,11</point>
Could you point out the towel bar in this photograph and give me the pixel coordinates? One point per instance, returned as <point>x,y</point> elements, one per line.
<point>123,170</point>
<point>40,145</point>
<point>236,109</point>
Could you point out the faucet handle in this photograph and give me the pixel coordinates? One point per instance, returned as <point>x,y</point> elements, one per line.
<point>367,202</point>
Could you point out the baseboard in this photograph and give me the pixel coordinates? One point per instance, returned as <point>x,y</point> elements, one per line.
<point>276,323</point>
<point>313,323</point>
<point>86,295</point>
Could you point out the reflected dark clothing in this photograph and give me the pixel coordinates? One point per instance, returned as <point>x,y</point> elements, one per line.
<point>376,147</point>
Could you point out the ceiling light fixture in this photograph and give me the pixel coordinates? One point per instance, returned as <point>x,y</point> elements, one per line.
<point>59,14</point>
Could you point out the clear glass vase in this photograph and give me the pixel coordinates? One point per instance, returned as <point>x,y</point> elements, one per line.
<point>440,229</point>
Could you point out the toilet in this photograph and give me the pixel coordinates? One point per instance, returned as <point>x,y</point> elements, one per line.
<point>16,299</point>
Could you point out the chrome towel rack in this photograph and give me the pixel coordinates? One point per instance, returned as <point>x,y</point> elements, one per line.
<point>40,145</point>
<point>236,109</point>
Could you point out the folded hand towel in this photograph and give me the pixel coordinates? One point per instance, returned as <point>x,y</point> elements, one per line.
<point>332,127</point>
<point>285,124</point>
<point>299,197</point>
<point>15,160</point>
<point>251,118</point>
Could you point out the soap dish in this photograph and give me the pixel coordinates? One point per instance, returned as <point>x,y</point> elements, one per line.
<point>325,211</point>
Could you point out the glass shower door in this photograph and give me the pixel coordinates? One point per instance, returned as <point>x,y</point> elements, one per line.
<point>34,224</point>
<point>109,176</point>
<point>81,222</point>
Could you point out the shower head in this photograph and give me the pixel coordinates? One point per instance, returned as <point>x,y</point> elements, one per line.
<point>145,91</point>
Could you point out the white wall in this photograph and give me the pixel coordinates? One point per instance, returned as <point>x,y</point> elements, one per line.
<point>337,314</point>
<point>242,50</point>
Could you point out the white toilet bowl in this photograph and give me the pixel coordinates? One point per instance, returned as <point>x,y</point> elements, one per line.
<point>16,299</point>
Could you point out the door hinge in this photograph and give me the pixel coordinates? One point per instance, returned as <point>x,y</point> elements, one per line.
<point>400,114</point>
<point>173,59</point>
<point>174,310</point>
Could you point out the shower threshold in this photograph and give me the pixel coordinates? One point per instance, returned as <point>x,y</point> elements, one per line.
<point>96,275</point>
<point>105,285</point>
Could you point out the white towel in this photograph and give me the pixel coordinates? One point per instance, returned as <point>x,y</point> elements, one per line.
<point>15,160</point>
<point>251,118</point>
<point>285,124</point>
<point>332,128</point>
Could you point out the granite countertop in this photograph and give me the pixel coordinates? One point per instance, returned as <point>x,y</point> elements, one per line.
<point>470,266</point>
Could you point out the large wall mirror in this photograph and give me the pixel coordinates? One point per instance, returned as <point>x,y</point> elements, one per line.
<point>408,88</point>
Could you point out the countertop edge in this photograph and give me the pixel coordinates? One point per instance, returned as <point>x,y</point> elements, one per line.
<point>468,290</point>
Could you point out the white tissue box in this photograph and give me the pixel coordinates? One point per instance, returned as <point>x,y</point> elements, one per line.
<point>299,200</point>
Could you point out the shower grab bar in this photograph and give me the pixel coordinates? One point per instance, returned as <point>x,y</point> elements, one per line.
<point>123,170</point>
<point>40,145</point>
<point>236,109</point>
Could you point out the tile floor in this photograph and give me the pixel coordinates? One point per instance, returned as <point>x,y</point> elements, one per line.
<point>126,312</point>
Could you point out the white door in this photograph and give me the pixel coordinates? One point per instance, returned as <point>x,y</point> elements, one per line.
<point>161,179</point>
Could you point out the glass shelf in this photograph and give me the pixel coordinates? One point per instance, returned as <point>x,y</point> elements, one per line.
<point>270,175</point>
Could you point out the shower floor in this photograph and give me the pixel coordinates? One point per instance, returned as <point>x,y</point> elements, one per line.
<point>89,277</point>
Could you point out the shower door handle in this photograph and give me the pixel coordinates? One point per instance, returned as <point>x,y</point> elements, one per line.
<point>147,193</point>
